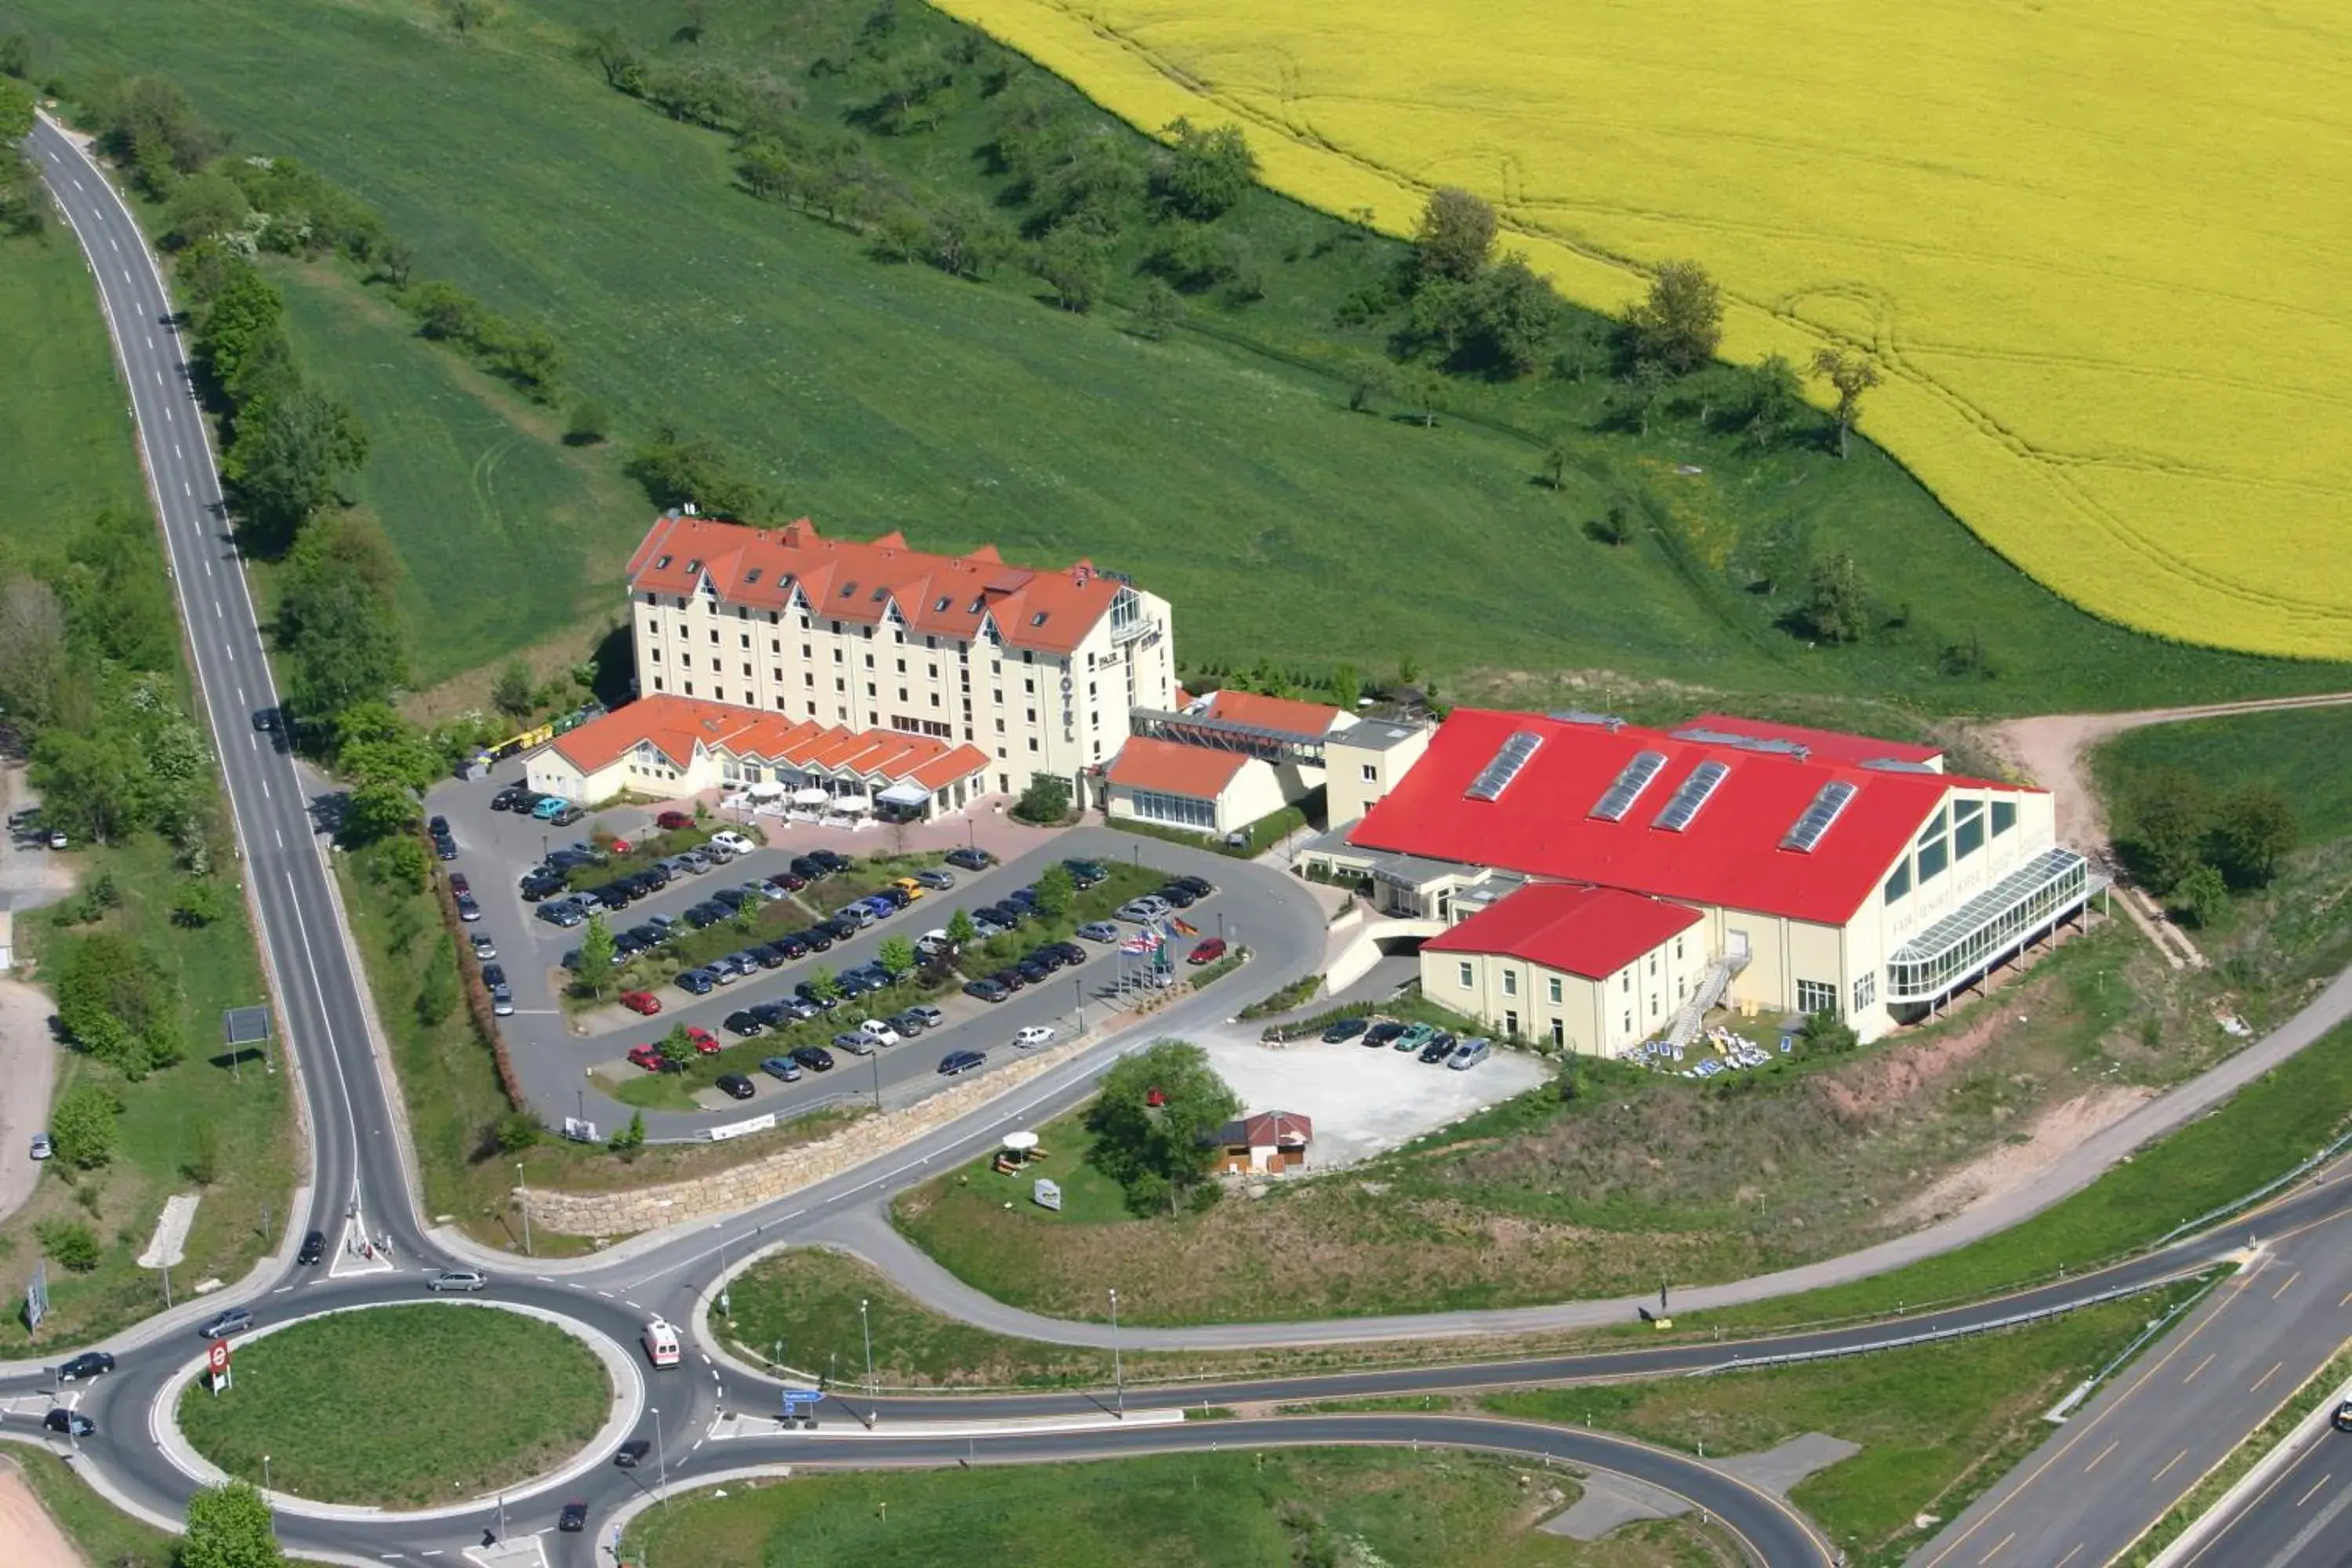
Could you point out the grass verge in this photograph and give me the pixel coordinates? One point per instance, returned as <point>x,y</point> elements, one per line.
<point>1935,1425</point>
<point>402,1406</point>
<point>1429,1509</point>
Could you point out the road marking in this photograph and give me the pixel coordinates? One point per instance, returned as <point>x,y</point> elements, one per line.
<point>208,565</point>
<point>159,378</point>
<point>177,453</point>
<point>631,1305</point>
<point>2347,1301</point>
<point>111,244</point>
<point>2200,1367</point>
<point>167,414</point>
<point>274,832</point>
<point>2103,1454</point>
<point>2167,1466</point>
<point>606,1294</point>
<point>543,1279</point>
<point>216,611</point>
<point>281,1289</point>
<point>2071,1555</point>
<point>1997,1549</point>
<point>2266,1376</point>
<point>2314,1491</point>
<point>2290,1280</point>
<point>187,489</point>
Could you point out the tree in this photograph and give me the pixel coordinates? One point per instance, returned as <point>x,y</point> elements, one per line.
<point>201,1162</point>
<point>81,1125</point>
<point>91,784</point>
<point>230,1527</point>
<point>1644,390</point>
<point>1851,375</point>
<point>631,1138</point>
<point>1160,311</point>
<point>512,693</point>
<point>202,902</point>
<point>395,259</point>
<point>1347,687</point>
<point>33,658</point>
<point>895,954</point>
<point>825,986</point>
<point>965,238</point>
<point>1679,321</point>
<point>69,1243</point>
<point>375,811</point>
<point>1152,1117</point>
<point>290,454</point>
<point>1837,608</point>
<point>1046,800</point>
<point>960,931</point>
<point>1423,390</point>
<point>1056,890</point>
<point>518,1131</point>
<point>436,989</point>
<point>1774,401</point>
<point>1558,456</point>
<point>2168,818</point>
<point>1826,1033</point>
<point>1374,381</point>
<point>596,954</point>
<point>2254,828</point>
<point>241,319</point>
<point>206,206</point>
<point>15,104</point>
<point>676,1048</point>
<point>1202,173</point>
<point>466,17</point>
<point>1614,526</point>
<point>2202,897</point>
<point>1510,314</point>
<point>1074,263</point>
<point>339,623</point>
<point>1455,237</point>
<point>589,425</point>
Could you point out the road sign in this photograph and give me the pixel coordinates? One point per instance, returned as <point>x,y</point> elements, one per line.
<point>216,1363</point>
<point>37,1295</point>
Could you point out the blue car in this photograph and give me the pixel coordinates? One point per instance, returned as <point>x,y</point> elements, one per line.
<point>694,983</point>
<point>546,809</point>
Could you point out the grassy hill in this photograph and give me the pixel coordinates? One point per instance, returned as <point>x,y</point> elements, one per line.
<point>1222,467</point>
<point>65,421</point>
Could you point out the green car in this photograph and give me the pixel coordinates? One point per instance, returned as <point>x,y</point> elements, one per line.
<point>1414,1039</point>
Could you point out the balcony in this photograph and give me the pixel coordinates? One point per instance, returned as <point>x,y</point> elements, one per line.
<point>1990,927</point>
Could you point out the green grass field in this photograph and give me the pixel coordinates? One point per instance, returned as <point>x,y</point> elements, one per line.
<point>402,1406</point>
<point>1935,1425</point>
<point>65,421</point>
<point>1222,467</point>
<point>101,1533</point>
<point>2300,750</point>
<point>1427,1510</point>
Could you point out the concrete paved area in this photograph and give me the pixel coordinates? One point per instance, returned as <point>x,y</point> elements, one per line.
<point>1778,1469</point>
<point>1609,1501</point>
<point>29,1062</point>
<point>1362,1100</point>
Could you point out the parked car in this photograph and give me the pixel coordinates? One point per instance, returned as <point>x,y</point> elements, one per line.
<point>547,807</point>
<point>694,983</point>
<point>1035,1035</point>
<point>1344,1030</point>
<point>695,860</point>
<point>90,1363</point>
<point>1033,970</point>
<point>808,868</point>
<point>1468,1055</point>
<point>1010,979</point>
<point>649,1057</point>
<point>984,928</point>
<point>437,825</point>
<point>782,1068</point>
<point>644,1002</point>
<point>1100,930</point>
<point>806,991</point>
<point>1182,897</point>
<point>971,858</point>
<point>314,1248</point>
<point>1206,952</point>
<point>936,880</point>
<point>1084,874</point>
<point>563,916</point>
<point>735,1086</point>
<point>446,849</point>
<point>43,1147</point>
<point>510,799</point>
<point>1144,910</point>
<point>733,897</point>
<point>567,812</point>
<point>799,1009</point>
<point>816,1059</point>
<point>745,1025</point>
<point>1380,1034</point>
<point>220,1325</point>
<point>72,1422</point>
<point>880,1032</point>
<point>734,843</point>
<point>909,1024</point>
<point>856,1042</point>
<point>1071,952</point>
<point>671,821</point>
<point>502,1000</point>
<point>956,1062</point>
<point>461,1280</point>
<point>987,990</point>
<point>483,946</point>
<point>1414,1036</point>
<point>933,943</point>
<point>1440,1046</point>
<point>702,1039</point>
<point>818,938</point>
<point>909,886</point>
<point>1199,887</point>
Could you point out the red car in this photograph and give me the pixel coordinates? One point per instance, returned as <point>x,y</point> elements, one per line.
<point>670,821</point>
<point>644,1002</point>
<point>619,847</point>
<point>647,1056</point>
<point>704,1040</point>
<point>1208,951</point>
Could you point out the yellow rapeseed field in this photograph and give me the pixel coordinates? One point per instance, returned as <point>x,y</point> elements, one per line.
<point>2101,249</point>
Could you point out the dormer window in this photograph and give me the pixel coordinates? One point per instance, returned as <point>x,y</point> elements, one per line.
<point>1038,619</point>
<point>977,605</point>
<point>752,577</point>
<point>882,592</point>
<point>692,567</point>
<point>661,563</point>
<point>941,608</point>
<point>848,590</point>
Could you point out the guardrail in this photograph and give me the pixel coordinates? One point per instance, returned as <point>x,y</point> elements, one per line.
<point>2191,1226</point>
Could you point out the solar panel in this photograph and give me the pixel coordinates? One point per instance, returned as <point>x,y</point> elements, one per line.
<point>1635,778</point>
<point>1693,795</point>
<point>1498,775</point>
<point>1830,800</point>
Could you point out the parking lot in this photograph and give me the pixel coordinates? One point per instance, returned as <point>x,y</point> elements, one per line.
<point>1364,1099</point>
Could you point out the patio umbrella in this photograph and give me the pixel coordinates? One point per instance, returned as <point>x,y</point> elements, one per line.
<point>809,796</point>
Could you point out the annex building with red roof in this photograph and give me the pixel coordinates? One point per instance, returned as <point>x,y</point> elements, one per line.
<point>668,748</point>
<point>1216,764</point>
<point>1037,669</point>
<point>1598,884</point>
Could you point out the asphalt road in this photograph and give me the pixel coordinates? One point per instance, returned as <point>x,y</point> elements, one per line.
<point>2295,1522</point>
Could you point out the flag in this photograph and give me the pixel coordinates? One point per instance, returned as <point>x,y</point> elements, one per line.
<point>1185,928</point>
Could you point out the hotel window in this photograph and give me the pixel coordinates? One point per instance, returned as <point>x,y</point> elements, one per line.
<point>1510,982</point>
<point>1816,997</point>
<point>1511,1023</point>
<point>2004,817</point>
<point>1899,884</point>
<point>1177,811</point>
<point>689,689</point>
<point>747,640</point>
<point>1372,774</point>
<point>1558,1033</point>
<point>1553,989</point>
<point>686,660</point>
<point>1466,974</point>
<point>1866,992</point>
<point>1625,981</point>
<point>714,635</point>
<point>1629,1023</point>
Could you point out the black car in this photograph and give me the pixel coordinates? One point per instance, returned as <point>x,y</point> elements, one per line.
<point>468,909</point>
<point>1344,1030</point>
<point>791,947</point>
<point>72,1422</point>
<point>773,1013</point>
<point>816,1059</point>
<point>830,861</point>
<point>805,867</point>
<point>1182,897</point>
<point>1382,1034</point>
<point>1084,874</point>
<point>1036,972</point>
<point>505,799</point>
<point>1071,952</point>
<point>264,720</point>
<point>2342,1419</point>
<point>437,825</point>
<point>743,1024</point>
<point>818,939</point>
<point>970,859</point>
<point>735,1085</point>
<point>89,1364</point>
<point>770,955</point>
<point>1024,898</point>
<point>733,897</point>
<point>446,848</point>
<point>956,1062</point>
<point>987,990</point>
<point>1440,1046</point>
<point>1199,887</point>
<point>1006,915</point>
<point>1050,955</point>
<point>574,1517</point>
<point>909,1023</point>
<point>534,888</point>
<point>630,1452</point>
<point>844,927</point>
<point>314,1248</point>
<point>806,991</point>
<point>694,983</point>
<point>1010,979</point>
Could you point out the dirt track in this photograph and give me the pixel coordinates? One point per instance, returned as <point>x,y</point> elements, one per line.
<point>33,1537</point>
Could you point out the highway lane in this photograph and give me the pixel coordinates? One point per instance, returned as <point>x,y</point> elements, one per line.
<point>319,1010</point>
<point>2297,1521</point>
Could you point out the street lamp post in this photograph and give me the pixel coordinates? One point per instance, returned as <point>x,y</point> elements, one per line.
<point>1078,1000</point>
<point>661,1456</point>
<point>265,1476</point>
<point>525,1187</point>
<point>1221,925</point>
<point>1117,1372</point>
<point>867,1325</point>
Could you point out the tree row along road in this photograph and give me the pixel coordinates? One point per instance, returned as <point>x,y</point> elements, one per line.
<point>355,1138</point>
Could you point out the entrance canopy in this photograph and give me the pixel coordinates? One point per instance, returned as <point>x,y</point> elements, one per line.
<point>906,793</point>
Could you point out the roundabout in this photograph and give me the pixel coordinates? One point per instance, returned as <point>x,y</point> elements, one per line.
<point>416,1411</point>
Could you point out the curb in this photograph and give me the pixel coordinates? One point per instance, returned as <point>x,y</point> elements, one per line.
<point>2267,1469</point>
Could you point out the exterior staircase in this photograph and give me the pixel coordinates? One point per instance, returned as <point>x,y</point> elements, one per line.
<point>1712,986</point>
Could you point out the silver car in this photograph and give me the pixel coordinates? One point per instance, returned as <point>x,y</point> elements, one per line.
<point>458,1279</point>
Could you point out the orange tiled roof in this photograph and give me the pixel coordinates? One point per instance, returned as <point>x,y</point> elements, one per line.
<point>846,579</point>
<point>1196,772</point>
<point>1273,712</point>
<point>678,726</point>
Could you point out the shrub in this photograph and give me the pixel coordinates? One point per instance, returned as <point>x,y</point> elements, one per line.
<point>82,1125</point>
<point>69,1242</point>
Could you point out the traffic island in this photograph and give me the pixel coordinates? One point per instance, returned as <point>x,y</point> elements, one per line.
<point>404,1407</point>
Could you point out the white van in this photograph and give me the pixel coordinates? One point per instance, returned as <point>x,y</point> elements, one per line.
<point>661,1342</point>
